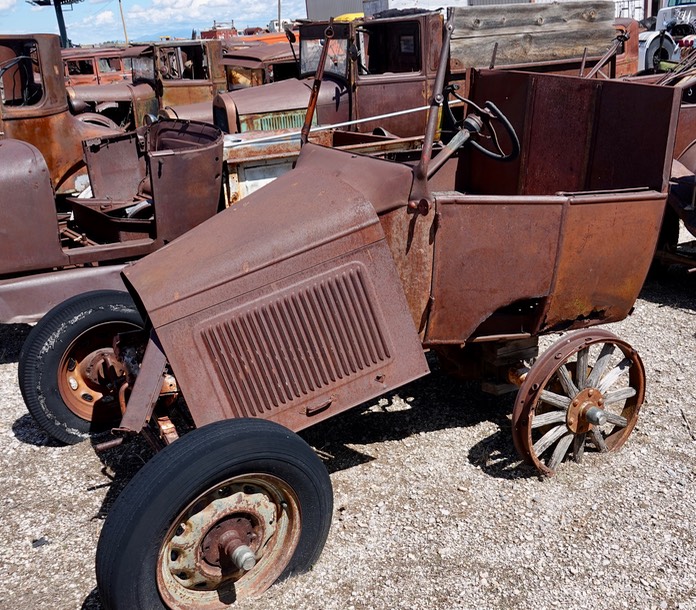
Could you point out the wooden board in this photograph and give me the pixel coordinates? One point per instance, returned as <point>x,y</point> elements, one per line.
<point>528,33</point>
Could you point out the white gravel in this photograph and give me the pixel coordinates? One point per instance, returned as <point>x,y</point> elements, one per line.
<point>432,508</point>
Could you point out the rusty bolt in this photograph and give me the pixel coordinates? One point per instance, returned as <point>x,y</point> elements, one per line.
<point>243,557</point>
<point>596,416</point>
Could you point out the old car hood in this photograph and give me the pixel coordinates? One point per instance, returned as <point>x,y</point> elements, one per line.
<point>290,217</point>
<point>112,92</point>
<point>273,97</point>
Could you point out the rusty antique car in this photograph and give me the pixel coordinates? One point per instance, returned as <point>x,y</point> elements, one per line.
<point>385,66</point>
<point>248,65</point>
<point>96,66</point>
<point>34,109</point>
<point>173,73</point>
<point>321,291</point>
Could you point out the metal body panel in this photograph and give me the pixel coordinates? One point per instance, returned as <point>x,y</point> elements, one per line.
<point>499,249</point>
<point>607,249</point>
<point>537,264</point>
<point>568,135</point>
<point>26,299</point>
<point>28,229</point>
<point>303,292</point>
<point>411,239</point>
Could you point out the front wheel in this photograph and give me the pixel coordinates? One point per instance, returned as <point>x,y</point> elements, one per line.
<point>219,515</point>
<point>67,369</point>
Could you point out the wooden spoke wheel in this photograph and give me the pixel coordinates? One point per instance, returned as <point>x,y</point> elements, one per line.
<point>583,393</point>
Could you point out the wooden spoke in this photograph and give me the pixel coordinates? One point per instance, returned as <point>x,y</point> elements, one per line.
<point>555,400</point>
<point>617,420</point>
<point>560,451</point>
<point>598,439</point>
<point>581,368</point>
<point>566,381</point>
<point>602,362</point>
<point>545,419</point>
<point>549,439</point>
<point>613,376</point>
<point>578,447</point>
<point>619,395</point>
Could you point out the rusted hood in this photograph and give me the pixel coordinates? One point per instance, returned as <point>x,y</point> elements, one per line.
<point>327,197</point>
<point>200,111</point>
<point>112,92</point>
<point>282,95</point>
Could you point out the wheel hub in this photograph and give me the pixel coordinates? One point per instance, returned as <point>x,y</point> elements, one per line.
<point>200,556</point>
<point>580,414</point>
<point>225,538</point>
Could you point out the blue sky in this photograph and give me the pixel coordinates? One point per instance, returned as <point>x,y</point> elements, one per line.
<point>94,21</point>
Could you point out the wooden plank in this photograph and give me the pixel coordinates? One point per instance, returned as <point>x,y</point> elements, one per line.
<point>526,48</point>
<point>517,18</point>
<point>528,33</point>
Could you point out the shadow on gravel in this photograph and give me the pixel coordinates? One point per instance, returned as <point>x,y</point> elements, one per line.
<point>435,402</point>
<point>120,465</point>
<point>12,338</point>
<point>675,288</point>
<point>27,431</point>
<point>92,602</point>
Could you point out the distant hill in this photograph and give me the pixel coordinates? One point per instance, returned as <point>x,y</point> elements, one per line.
<point>171,32</point>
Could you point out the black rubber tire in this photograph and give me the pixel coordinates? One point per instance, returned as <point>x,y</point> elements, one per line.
<point>44,348</point>
<point>138,522</point>
<point>654,50</point>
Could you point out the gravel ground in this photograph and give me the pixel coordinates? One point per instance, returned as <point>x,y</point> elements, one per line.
<point>432,507</point>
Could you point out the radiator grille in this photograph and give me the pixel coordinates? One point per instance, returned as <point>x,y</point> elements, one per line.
<point>302,341</point>
<point>293,119</point>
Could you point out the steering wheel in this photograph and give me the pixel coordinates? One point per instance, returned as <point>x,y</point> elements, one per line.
<point>489,113</point>
<point>480,122</point>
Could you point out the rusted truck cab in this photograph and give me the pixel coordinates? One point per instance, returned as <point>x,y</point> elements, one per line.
<point>34,106</point>
<point>172,73</point>
<point>398,74</point>
<point>96,66</point>
<point>385,66</point>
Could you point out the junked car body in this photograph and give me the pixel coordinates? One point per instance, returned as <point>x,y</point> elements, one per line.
<point>321,290</point>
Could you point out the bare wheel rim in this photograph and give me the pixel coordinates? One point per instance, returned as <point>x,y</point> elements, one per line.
<point>88,373</point>
<point>233,541</point>
<point>583,394</point>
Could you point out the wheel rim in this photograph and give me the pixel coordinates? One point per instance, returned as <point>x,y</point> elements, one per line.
<point>89,371</point>
<point>583,393</point>
<point>203,559</point>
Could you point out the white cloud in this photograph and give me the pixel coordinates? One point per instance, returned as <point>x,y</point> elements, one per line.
<point>104,18</point>
<point>202,13</point>
<point>7,5</point>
